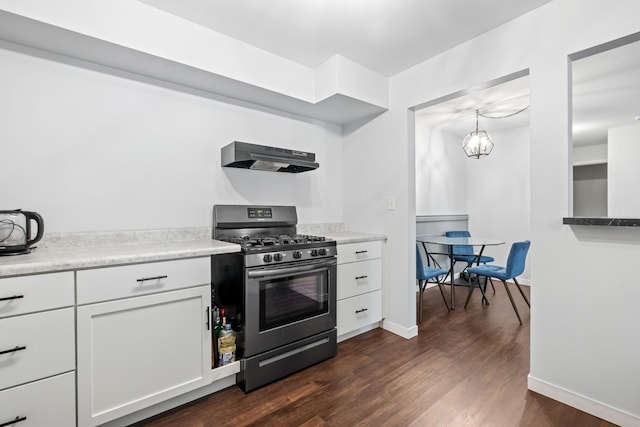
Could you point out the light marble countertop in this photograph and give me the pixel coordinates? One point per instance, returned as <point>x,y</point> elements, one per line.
<point>342,237</point>
<point>73,254</point>
<point>43,260</point>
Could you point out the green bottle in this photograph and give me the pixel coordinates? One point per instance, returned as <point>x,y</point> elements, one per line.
<point>220,322</point>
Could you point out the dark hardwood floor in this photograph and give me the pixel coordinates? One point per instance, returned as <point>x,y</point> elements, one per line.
<point>465,368</point>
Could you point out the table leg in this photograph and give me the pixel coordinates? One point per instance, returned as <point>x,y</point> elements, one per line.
<point>451,272</point>
<point>484,297</point>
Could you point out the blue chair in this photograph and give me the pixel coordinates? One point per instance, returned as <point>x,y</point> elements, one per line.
<point>514,268</point>
<point>424,274</point>
<point>464,253</point>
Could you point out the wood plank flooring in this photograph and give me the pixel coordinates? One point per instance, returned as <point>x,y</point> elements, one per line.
<point>465,368</point>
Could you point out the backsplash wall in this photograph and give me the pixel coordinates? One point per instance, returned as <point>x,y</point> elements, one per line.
<point>92,151</point>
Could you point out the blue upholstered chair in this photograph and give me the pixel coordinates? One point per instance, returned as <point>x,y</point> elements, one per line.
<point>464,253</point>
<point>426,274</point>
<point>514,268</point>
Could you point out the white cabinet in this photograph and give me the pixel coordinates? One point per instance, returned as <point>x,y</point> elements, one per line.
<point>103,284</point>
<point>359,286</point>
<point>134,352</point>
<point>37,350</point>
<point>36,346</point>
<point>48,402</point>
<point>29,294</point>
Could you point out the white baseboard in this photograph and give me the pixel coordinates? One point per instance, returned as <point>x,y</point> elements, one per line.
<point>402,331</point>
<point>156,409</point>
<point>362,330</point>
<point>583,403</point>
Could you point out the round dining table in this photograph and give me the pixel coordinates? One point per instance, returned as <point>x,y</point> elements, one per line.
<point>450,242</point>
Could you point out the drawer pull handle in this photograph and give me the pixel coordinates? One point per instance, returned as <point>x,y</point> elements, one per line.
<point>361,310</point>
<point>145,279</point>
<point>15,421</point>
<point>361,277</point>
<point>9,299</point>
<point>361,252</point>
<point>17,348</point>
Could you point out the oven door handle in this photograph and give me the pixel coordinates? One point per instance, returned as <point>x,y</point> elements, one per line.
<point>290,270</point>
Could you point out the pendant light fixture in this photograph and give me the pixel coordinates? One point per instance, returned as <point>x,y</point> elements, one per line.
<point>478,143</point>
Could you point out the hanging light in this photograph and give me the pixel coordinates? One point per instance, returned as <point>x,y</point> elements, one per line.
<point>478,143</point>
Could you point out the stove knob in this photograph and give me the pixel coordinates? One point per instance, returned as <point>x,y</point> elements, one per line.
<point>266,258</point>
<point>277,257</point>
<point>314,252</point>
<point>297,255</point>
<point>323,251</point>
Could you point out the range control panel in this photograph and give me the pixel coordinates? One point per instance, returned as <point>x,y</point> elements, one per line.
<point>259,213</point>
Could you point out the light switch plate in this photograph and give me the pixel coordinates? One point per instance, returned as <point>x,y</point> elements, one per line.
<point>391,203</point>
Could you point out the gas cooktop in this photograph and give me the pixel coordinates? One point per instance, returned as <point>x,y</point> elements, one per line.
<point>295,243</point>
<point>258,242</point>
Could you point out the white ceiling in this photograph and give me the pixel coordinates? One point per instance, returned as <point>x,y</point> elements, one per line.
<point>605,94</point>
<point>457,116</point>
<point>387,36</point>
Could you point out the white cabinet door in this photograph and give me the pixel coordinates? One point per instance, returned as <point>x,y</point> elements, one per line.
<point>359,311</point>
<point>48,402</point>
<point>354,252</point>
<point>38,292</point>
<point>35,346</point>
<point>358,278</point>
<point>103,284</point>
<point>136,352</point>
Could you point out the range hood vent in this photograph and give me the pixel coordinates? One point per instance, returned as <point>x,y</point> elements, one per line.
<point>261,157</point>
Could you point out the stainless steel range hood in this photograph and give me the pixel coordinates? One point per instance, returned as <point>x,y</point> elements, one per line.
<point>261,157</point>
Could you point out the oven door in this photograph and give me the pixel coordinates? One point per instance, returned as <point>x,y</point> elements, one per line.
<point>288,302</point>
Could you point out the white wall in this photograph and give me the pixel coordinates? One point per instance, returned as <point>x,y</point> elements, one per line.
<point>584,349</point>
<point>494,191</point>
<point>441,173</point>
<point>499,195</point>
<point>92,151</point>
<point>623,171</point>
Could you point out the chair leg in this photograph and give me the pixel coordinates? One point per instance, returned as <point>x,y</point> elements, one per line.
<point>492,287</point>
<point>442,293</point>
<point>471,287</point>
<point>484,295</point>
<point>421,286</point>
<point>512,302</point>
<point>521,292</point>
<point>483,289</point>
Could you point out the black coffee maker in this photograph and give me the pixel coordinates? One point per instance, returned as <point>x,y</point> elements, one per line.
<point>15,231</point>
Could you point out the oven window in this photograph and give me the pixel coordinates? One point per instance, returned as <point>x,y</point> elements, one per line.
<point>290,299</point>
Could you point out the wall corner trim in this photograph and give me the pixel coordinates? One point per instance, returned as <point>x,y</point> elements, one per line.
<point>400,330</point>
<point>582,403</point>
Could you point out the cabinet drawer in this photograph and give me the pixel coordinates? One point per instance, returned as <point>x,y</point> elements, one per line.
<point>359,277</point>
<point>357,312</point>
<point>48,339</point>
<point>110,283</point>
<point>48,402</point>
<point>351,252</point>
<point>26,294</point>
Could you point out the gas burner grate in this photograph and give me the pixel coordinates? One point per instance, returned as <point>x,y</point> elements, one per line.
<point>267,241</point>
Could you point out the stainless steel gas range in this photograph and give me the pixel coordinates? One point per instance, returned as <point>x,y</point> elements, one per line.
<point>281,290</point>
